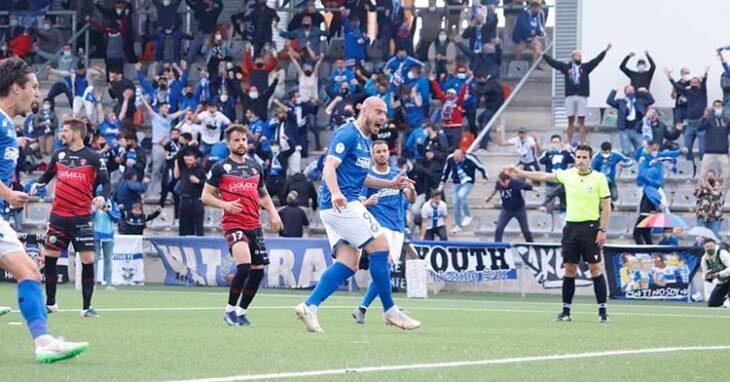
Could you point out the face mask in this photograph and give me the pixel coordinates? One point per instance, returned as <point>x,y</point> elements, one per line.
<point>349,113</point>
<point>630,94</point>
<point>297,101</point>
<point>411,75</point>
<point>189,94</point>
<point>218,37</point>
<point>102,145</point>
<point>229,65</point>
<point>431,9</point>
<point>685,77</point>
<point>712,182</point>
<point>306,26</point>
<point>224,98</point>
<point>163,86</point>
<point>253,95</point>
<point>442,38</point>
<point>605,155</point>
<point>718,112</point>
<point>13,23</point>
<point>711,252</point>
<point>119,11</point>
<point>4,47</point>
<point>67,53</point>
<point>577,62</point>
<point>641,68</point>
<point>166,2</point>
<point>47,26</point>
<point>308,72</point>
<point>344,91</point>
<point>695,87</point>
<point>46,107</point>
<point>259,65</point>
<point>34,109</point>
<point>461,76</point>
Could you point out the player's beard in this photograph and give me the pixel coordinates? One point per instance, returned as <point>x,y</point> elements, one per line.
<point>239,152</point>
<point>381,161</point>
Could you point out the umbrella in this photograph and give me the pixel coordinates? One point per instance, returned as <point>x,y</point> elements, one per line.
<point>662,220</point>
<point>702,231</point>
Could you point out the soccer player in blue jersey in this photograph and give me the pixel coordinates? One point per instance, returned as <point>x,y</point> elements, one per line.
<point>388,207</point>
<point>350,227</point>
<point>18,90</point>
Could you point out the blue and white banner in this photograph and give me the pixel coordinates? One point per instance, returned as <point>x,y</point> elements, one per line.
<point>127,261</point>
<point>466,262</point>
<point>299,263</point>
<point>545,260</point>
<point>33,247</point>
<point>651,273</point>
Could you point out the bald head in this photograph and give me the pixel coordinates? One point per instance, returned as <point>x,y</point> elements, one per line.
<point>373,115</point>
<point>458,155</point>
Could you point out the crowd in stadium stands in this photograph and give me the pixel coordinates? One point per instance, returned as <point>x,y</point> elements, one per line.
<point>188,86</point>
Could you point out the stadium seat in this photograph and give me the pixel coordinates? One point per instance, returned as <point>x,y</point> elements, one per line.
<point>517,69</point>
<point>610,118</point>
<point>375,50</point>
<point>618,226</point>
<point>325,69</point>
<point>666,115</point>
<point>265,220</point>
<point>629,198</point>
<point>291,73</point>
<point>683,199</point>
<point>37,214</point>
<point>212,219</point>
<point>685,170</point>
<point>487,224</point>
<point>595,140</point>
<point>628,173</point>
<point>164,221</point>
<point>593,117</point>
<point>540,223</point>
<point>336,49</point>
<point>533,199</point>
<point>513,227</point>
<point>315,223</point>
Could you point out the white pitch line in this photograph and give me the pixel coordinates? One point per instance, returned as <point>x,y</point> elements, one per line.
<point>454,364</point>
<point>414,308</point>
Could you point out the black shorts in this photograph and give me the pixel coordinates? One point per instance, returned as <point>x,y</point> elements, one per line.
<point>76,230</point>
<point>254,239</point>
<point>579,242</point>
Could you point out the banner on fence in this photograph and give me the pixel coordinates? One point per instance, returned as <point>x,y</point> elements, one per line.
<point>653,273</point>
<point>33,247</point>
<point>465,262</point>
<point>546,263</point>
<point>299,263</point>
<point>127,261</point>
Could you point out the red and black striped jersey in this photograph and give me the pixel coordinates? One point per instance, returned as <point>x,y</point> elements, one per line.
<point>78,173</point>
<point>239,182</point>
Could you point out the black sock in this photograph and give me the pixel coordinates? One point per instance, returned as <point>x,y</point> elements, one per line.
<point>568,292</point>
<point>362,309</point>
<point>51,279</point>
<point>242,271</point>
<point>87,283</point>
<point>251,287</point>
<point>599,287</point>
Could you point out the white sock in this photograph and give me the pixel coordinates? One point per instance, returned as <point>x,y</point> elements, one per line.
<point>393,309</point>
<point>43,340</point>
<point>240,311</point>
<point>230,308</point>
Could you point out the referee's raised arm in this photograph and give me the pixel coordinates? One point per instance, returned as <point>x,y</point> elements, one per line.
<point>532,175</point>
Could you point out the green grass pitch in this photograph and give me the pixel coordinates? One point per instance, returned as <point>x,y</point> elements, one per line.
<point>157,333</point>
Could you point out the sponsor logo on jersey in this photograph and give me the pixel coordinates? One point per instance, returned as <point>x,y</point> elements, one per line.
<point>82,162</point>
<point>363,162</point>
<point>11,153</point>
<point>61,155</point>
<point>70,175</point>
<point>241,186</point>
<point>227,167</point>
<point>340,148</point>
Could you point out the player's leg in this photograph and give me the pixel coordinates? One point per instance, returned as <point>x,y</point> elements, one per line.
<point>600,289</point>
<point>57,240</point>
<point>592,256</point>
<point>259,259</point>
<point>718,295</point>
<point>87,283</point>
<point>242,256</point>
<point>30,302</point>
<point>395,242</point>
<point>571,257</point>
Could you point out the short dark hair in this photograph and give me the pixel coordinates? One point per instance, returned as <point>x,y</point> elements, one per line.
<point>13,70</point>
<point>606,146</point>
<point>187,136</point>
<point>503,176</point>
<point>709,239</point>
<point>77,124</point>
<point>402,161</point>
<point>234,128</point>
<point>718,101</point>
<point>556,136</point>
<point>585,147</point>
<point>380,142</point>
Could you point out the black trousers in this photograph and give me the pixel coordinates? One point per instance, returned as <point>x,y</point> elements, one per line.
<point>505,216</point>
<point>717,297</point>
<point>438,231</point>
<point>191,216</point>
<point>643,235</point>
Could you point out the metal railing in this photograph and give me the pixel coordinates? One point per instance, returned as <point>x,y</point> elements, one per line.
<point>499,114</point>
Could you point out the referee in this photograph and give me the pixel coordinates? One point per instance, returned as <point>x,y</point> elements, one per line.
<point>588,199</point>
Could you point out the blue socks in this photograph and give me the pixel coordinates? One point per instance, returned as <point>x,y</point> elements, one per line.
<point>30,301</point>
<point>330,281</point>
<point>380,272</point>
<point>369,295</point>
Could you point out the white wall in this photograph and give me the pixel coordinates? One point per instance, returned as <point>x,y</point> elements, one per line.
<point>676,33</point>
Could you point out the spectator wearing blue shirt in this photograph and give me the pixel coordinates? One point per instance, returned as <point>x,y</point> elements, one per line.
<point>481,30</point>
<point>355,42</point>
<point>104,224</point>
<point>411,100</point>
<point>668,238</point>
<point>631,109</point>
<point>340,74</point>
<point>110,129</point>
<point>309,37</point>
<point>415,79</point>
<point>606,162</point>
<point>400,64</point>
<point>489,59</point>
<point>513,205</point>
<point>167,26</point>
<point>527,29</point>
<point>696,96</point>
<point>130,190</point>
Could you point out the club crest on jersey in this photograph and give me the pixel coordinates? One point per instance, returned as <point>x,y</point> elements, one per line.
<point>227,167</point>
<point>61,155</point>
<point>254,171</point>
<point>340,148</point>
<point>82,162</point>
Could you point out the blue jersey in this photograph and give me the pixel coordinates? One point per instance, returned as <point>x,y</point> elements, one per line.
<point>354,150</point>
<point>8,149</point>
<point>390,211</point>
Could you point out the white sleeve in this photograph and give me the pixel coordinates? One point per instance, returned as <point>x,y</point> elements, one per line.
<point>442,208</point>
<point>425,210</point>
<point>725,258</point>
